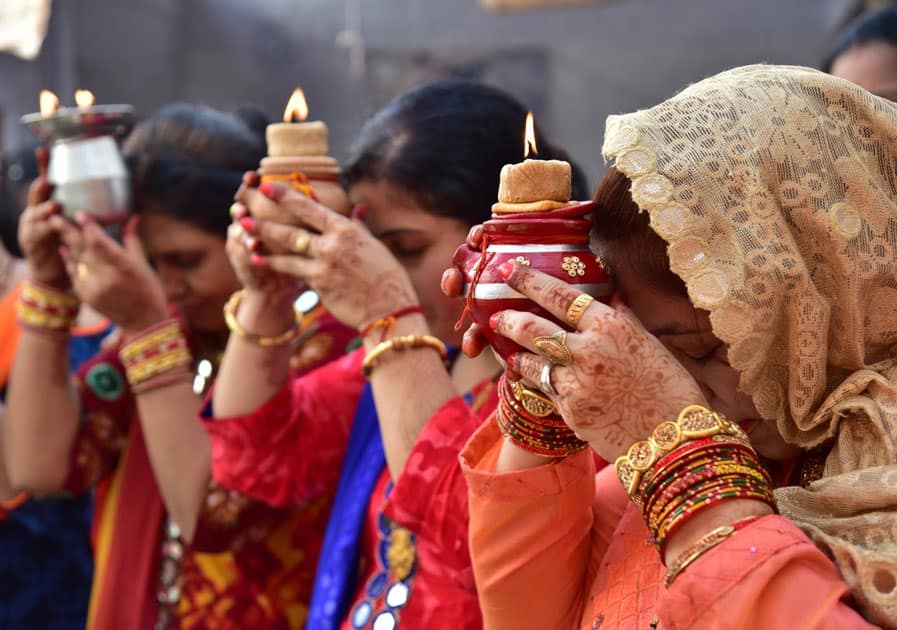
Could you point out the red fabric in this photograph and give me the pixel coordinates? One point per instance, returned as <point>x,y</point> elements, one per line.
<point>292,447</point>
<point>261,571</point>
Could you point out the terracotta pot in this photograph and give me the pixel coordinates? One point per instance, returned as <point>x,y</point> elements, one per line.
<point>554,242</point>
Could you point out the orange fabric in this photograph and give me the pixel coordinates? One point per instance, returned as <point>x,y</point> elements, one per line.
<point>9,333</point>
<point>557,547</point>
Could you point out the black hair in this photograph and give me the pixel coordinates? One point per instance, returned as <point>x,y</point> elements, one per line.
<point>445,144</point>
<point>187,161</point>
<point>18,168</point>
<point>624,235</point>
<point>874,26</point>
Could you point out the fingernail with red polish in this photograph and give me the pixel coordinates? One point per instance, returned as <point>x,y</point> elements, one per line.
<point>360,211</point>
<point>270,190</point>
<point>248,224</point>
<point>258,260</point>
<point>505,270</point>
<point>511,360</point>
<point>493,320</point>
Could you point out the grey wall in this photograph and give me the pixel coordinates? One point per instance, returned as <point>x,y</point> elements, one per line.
<point>602,59</point>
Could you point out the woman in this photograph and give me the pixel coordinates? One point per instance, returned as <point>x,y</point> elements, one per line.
<point>424,170</point>
<point>45,556</point>
<point>764,292</point>
<point>186,162</point>
<point>865,52</point>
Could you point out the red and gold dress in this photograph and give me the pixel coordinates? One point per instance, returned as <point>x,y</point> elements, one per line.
<point>250,565</point>
<point>414,564</point>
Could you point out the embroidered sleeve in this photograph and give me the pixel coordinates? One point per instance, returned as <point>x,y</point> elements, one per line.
<point>291,448</point>
<point>107,408</point>
<point>754,579</point>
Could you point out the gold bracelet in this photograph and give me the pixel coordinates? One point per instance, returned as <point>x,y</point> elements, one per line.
<point>696,550</point>
<point>230,317</point>
<point>694,422</point>
<point>408,342</point>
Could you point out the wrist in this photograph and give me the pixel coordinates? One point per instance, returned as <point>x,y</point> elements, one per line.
<point>137,326</point>
<point>403,321</point>
<point>266,314</point>
<point>723,514</point>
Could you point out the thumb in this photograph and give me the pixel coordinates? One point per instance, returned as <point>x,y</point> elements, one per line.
<point>131,238</point>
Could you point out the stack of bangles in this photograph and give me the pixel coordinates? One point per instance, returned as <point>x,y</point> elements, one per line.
<point>42,308</point>
<point>157,357</point>
<point>529,420</point>
<point>389,344</point>
<point>687,466</point>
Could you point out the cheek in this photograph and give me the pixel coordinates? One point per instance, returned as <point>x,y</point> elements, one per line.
<point>214,278</point>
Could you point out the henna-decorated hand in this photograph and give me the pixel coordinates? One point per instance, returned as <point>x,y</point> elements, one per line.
<point>622,382</point>
<point>356,276</point>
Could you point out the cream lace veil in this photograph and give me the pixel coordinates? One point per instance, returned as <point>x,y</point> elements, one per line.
<point>776,190</point>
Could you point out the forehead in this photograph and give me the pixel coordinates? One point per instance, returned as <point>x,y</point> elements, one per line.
<point>162,233</point>
<point>871,66</point>
<point>390,207</point>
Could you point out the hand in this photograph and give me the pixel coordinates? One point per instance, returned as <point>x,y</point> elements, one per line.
<point>453,286</point>
<point>356,276</point>
<point>39,241</point>
<point>622,382</point>
<point>115,280</point>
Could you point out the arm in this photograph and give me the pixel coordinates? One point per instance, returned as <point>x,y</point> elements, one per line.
<point>767,575</point>
<point>42,414</point>
<point>530,536</point>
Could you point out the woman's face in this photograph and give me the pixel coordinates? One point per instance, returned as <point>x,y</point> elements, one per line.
<point>422,242</point>
<point>686,333</point>
<point>872,66</point>
<point>192,266</point>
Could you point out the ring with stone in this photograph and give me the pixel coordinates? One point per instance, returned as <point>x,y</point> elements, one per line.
<point>545,380</point>
<point>554,348</point>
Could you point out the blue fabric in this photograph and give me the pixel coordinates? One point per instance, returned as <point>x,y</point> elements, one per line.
<point>46,566</point>
<point>337,574</point>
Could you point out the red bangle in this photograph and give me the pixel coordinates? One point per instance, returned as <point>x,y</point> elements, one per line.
<point>387,322</point>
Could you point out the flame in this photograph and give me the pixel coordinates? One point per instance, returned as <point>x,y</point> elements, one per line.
<point>529,139</point>
<point>49,103</point>
<point>297,107</point>
<point>84,99</point>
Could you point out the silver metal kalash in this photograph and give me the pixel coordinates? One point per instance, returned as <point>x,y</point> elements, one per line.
<point>86,166</point>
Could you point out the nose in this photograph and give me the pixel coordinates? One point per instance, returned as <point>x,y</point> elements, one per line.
<point>173,283</point>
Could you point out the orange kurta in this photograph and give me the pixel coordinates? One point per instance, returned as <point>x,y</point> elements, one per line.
<point>559,547</point>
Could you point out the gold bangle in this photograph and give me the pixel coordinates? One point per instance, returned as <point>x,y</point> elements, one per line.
<point>230,317</point>
<point>694,422</point>
<point>159,351</point>
<point>696,550</point>
<point>408,342</point>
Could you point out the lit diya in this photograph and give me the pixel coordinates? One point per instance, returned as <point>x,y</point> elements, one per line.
<point>86,167</point>
<point>537,225</point>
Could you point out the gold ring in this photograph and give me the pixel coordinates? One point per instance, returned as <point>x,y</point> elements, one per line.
<point>534,402</point>
<point>554,348</point>
<point>301,242</point>
<point>235,207</point>
<point>81,270</point>
<point>578,308</point>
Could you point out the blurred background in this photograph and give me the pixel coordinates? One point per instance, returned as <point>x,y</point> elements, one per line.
<point>572,61</point>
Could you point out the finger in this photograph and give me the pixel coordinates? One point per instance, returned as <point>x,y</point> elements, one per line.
<point>69,233</point>
<point>295,266</point>
<point>39,190</point>
<point>475,236</point>
<point>452,282</point>
<point>556,296</point>
<point>238,211</point>
<point>41,212</point>
<point>522,327</point>
<point>131,239</point>
<point>307,210</point>
<point>98,245</point>
<point>69,262</point>
<point>251,179</point>
<point>529,367</point>
<point>473,342</point>
<point>282,236</point>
